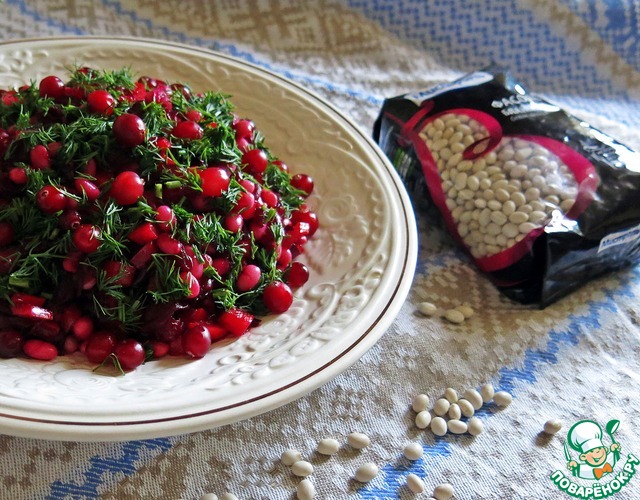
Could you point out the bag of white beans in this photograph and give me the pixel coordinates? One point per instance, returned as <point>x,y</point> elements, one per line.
<point>541,201</point>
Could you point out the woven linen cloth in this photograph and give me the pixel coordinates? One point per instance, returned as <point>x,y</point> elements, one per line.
<point>577,359</point>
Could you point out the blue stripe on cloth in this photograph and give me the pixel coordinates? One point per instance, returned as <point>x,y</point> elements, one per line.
<point>122,461</point>
<point>469,35</point>
<point>25,10</point>
<point>394,475</point>
<point>234,51</point>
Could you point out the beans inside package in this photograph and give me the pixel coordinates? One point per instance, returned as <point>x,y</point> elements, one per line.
<point>542,201</point>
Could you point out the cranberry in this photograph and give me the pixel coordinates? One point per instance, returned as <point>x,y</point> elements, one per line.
<point>10,343</point>
<point>87,189</point>
<point>18,176</point>
<point>40,349</point>
<point>309,218</point>
<point>192,284</point>
<point>248,278</point>
<point>215,181</point>
<point>270,198</point>
<point>7,233</point>
<point>127,188</point>
<point>167,244</point>
<point>129,130</point>
<point>222,265</point>
<point>244,129</point>
<point>233,222</point>
<point>82,327</point>
<point>120,273</point>
<point>101,102</point>
<point>160,349</point>
<point>39,158</point>
<point>193,115</point>
<point>256,160</point>
<point>70,345</point>
<point>302,182</point>
<point>51,86</point>
<point>5,140</point>
<point>70,219</point>
<point>281,165</point>
<point>165,217</point>
<point>31,311</point>
<point>187,130</point>
<point>69,316</point>
<point>86,238</point>
<point>54,148</point>
<point>130,354</point>
<point>284,258</point>
<point>144,233</point>
<point>245,205</point>
<point>196,341</point>
<point>236,321</point>
<point>298,275</point>
<point>277,297</point>
<point>99,346</point>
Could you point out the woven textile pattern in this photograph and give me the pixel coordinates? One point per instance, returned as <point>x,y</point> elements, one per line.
<point>575,360</point>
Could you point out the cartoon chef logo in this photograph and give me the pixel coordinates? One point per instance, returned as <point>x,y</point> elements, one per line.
<point>596,460</point>
<point>595,466</point>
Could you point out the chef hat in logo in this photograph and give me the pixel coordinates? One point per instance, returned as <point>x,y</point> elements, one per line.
<point>585,436</point>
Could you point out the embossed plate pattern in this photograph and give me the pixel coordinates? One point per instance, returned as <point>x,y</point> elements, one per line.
<point>362,261</point>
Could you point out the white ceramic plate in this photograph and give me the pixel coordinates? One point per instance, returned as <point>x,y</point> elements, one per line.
<point>362,261</point>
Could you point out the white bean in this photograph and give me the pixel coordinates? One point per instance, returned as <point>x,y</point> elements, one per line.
<point>358,440</point>
<point>415,484</point>
<point>454,411</point>
<point>427,308</point>
<point>466,408</point>
<point>450,394</point>
<point>441,407</point>
<point>454,316</point>
<point>413,451</point>
<point>457,426</point>
<point>366,472</point>
<point>305,490</point>
<point>289,457</point>
<point>302,468</point>
<point>439,426</point>
<point>474,398</point>
<point>552,426</point>
<point>487,392</point>
<point>467,311</point>
<point>423,419</point>
<point>475,426</point>
<point>420,402</point>
<point>502,398</point>
<point>328,446</point>
<point>443,491</point>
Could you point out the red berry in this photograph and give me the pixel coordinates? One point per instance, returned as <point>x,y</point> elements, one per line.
<point>130,354</point>
<point>236,321</point>
<point>39,158</point>
<point>86,238</point>
<point>160,349</point>
<point>192,284</point>
<point>193,115</point>
<point>99,346</point>
<point>127,188</point>
<point>51,86</point>
<point>270,198</point>
<point>120,273</point>
<point>302,182</point>
<point>309,218</point>
<point>248,278</point>
<point>222,265</point>
<point>215,181</point>
<point>244,129</point>
<point>7,233</point>
<point>70,219</point>
<point>256,160</point>
<point>277,297</point>
<point>50,200</point>
<point>87,188</point>
<point>187,130</point>
<point>18,176</point>
<point>5,140</point>
<point>129,130</point>
<point>39,349</point>
<point>144,233</point>
<point>165,217</point>
<point>82,327</point>
<point>26,310</point>
<point>10,343</point>
<point>167,244</point>
<point>298,275</point>
<point>233,222</point>
<point>245,205</point>
<point>101,102</point>
<point>196,341</point>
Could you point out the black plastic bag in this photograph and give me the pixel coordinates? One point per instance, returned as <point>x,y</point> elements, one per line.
<point>477,146</point>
